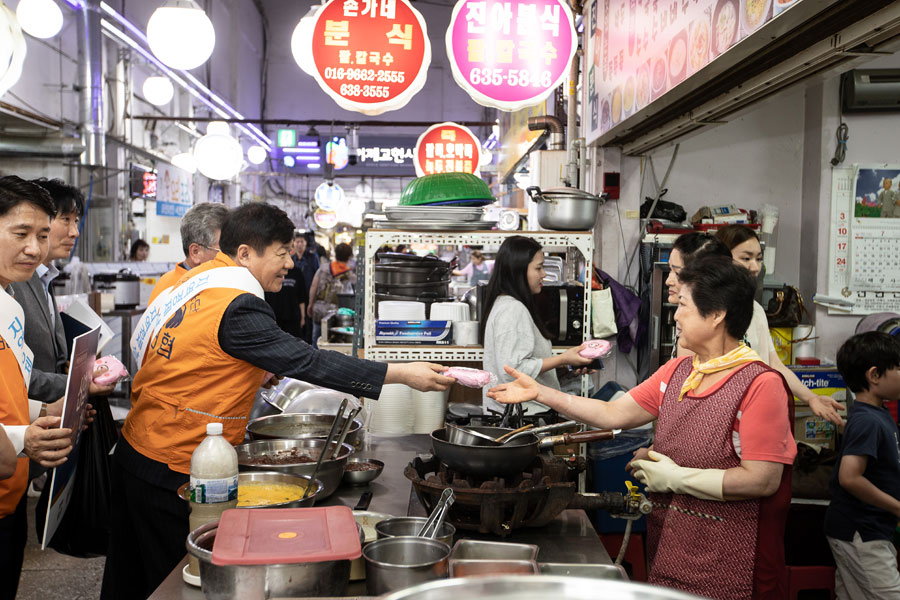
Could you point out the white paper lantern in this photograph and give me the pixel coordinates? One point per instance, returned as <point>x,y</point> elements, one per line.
<point>256,155</point>
<point>181,35</point>
<point>218,128</point>
<point>218,156</point>
<point>12,49</point>
<point>158,90</point>
<point>39,18</point>
<point>301,41</point>
<point>185,161</point>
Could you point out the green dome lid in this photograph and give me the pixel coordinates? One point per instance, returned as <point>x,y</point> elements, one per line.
<point>444,187</point>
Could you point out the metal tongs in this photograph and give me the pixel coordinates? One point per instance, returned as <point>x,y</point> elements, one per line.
<point>436,519</point>
<point>325,447</point>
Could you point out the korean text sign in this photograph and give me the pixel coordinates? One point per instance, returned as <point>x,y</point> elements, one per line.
<point>510,54</point>
<point>371,56</point>
<point>447,148</point>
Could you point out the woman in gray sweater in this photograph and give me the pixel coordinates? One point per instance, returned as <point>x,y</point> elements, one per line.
<point>512,333</point>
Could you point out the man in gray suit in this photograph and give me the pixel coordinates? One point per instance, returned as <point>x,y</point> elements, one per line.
<point>44,332</point>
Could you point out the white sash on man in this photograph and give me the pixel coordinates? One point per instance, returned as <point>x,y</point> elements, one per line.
<point>167,303</point>
<point>12,328</point>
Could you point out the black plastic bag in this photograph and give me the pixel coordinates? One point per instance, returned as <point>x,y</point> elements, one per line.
<point>663,210</point>
<point>84,529</point>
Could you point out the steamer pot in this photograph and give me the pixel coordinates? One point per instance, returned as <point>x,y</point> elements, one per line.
<point>566,209</point>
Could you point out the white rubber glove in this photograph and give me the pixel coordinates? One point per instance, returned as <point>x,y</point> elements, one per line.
<point>662,474</point>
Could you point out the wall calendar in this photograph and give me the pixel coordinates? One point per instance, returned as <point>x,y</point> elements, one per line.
<point>864,248</point>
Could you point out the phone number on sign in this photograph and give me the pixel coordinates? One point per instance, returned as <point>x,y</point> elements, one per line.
<point>511,77</point>
<point>349,90</point>
<point>348,74</point>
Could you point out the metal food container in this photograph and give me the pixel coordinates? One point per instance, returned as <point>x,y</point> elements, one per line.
<point>481,568</point>
<point>565,209</point>
<point>480,550</point>
<point>328,578</point>
<point>400,562</point>
<point>184,492</point>
<point>330,473</point>
<point>410,526</point>
<point>300,426</point>
<point>614,572</point>
<point>536,587</point>
<point>362,477</point>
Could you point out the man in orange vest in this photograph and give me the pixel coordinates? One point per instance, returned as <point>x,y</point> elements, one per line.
<point>200,230</point>
<point>207,344</point>
<point>25,213</point>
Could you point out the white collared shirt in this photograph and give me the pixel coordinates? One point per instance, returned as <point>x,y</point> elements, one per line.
<point>47,274</point>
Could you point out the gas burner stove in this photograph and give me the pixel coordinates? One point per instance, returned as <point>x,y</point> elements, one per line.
<point>532,498</point>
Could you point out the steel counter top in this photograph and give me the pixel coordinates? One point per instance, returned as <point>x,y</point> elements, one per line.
<point>570,538</point>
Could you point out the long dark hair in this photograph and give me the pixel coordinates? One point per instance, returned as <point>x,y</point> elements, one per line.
<point>510,277</point>
<point>696,244</point>
<point>735,235</point>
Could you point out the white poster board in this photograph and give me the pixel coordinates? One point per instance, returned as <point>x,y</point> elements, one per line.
<point>78,386</point>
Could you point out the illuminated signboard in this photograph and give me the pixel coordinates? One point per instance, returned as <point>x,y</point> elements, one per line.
<point>637,51</point>
<point>286,138</point>
<point>447,148</point>
<point>376,155</point>
<point>509,55</point>
<point>370,56</point>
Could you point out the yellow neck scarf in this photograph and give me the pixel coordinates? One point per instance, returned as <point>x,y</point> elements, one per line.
<point>741,355</point>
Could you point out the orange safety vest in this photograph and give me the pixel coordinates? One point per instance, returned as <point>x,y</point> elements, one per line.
<point>187,381</point>
<point>166,281</point>
<point>13,411</point>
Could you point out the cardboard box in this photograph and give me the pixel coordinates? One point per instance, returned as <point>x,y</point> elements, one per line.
<point>823,381</point>
<point>413,333</point>
<point>713,212</point>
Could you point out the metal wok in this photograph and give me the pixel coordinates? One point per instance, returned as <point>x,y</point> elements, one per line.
<point>512,457</point>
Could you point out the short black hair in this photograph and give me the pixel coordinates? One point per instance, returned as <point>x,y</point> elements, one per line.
<point>15,191</point>
<point>258,225</point>
<point>696,244</point>
<point>343,252</point>
<point>67,199</point>
<point>719,283</point>
<point>862,352</point>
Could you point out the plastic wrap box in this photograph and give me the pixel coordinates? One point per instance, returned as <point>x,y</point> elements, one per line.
<point>413,333</point>
<point>824,381</point>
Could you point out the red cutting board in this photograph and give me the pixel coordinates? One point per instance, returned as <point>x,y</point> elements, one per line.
<point>266,536</point>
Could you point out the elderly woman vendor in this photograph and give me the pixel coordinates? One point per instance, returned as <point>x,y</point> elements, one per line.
<point>719,476</point>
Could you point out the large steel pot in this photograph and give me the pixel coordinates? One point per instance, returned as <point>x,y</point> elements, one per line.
<point>440,287</point>
<point>397,274</point>
<point>327,578</point>
<point>400,562</point>
<point>566,209</point>
<point>407,260</point>
<point>275,401</point>
<point>512,457</point>
<point>300,426</point>
<point>330,473</point>
<point>537,587</point>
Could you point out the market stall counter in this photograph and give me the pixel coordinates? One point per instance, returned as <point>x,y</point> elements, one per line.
<point>569,538</point>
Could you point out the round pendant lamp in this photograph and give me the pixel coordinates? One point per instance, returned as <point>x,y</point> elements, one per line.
<point>181,35</point>
<point>158,91</point>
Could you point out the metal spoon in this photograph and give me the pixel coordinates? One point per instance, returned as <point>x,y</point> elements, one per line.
<point>509,434</point>
<point>326,447</point>
<point>537,430</point>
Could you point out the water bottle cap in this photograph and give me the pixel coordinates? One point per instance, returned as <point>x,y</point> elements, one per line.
<point>213,429</point>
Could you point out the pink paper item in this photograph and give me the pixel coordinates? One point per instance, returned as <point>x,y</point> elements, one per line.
<point>595,349</point>
<point>473,378</point>
<point>112,370</point>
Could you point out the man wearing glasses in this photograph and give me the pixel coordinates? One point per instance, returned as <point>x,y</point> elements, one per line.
<point>200,229</point>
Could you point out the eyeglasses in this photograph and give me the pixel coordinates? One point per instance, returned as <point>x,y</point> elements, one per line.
<point>210,248</point>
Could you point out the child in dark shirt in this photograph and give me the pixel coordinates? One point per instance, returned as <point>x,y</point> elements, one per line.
<point>865,486</point>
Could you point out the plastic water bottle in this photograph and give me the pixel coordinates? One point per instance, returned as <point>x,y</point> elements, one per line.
<point>214,469</point>
<point>214,482</point>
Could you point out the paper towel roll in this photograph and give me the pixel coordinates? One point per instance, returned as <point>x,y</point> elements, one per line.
<point>804,345</point>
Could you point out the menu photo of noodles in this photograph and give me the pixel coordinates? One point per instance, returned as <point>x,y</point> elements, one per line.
<point>725,26</point>
<point>677,58</point>
<point>698,44</point>
<point>754,13</point>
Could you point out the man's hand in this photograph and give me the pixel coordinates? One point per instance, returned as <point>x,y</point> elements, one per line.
<point>422,376</point>
<point>522,389</point>
<point>827,408</point>
<point>101,390</point>
<point>47,444</point>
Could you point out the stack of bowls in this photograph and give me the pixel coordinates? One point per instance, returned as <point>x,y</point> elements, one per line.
<point>449,311</point>
<point>390,310</point>
<point>391,414</point>
<point>430,409</point>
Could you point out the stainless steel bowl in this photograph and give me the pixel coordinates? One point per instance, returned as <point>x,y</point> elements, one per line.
<point>400,562</point>
<point>327,578</point>
<point>362,477</point>
<point>270,477</point>
<point>410,526</point>
<point>300,426</point>
<point>329,474</point>
<point>536,587</point>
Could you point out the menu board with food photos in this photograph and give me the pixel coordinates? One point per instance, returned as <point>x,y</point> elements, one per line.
<point>637,50</point>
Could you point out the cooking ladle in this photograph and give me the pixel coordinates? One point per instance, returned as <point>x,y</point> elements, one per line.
<point>510,434</point>
<point>326,447</point>
<point>543,429</point>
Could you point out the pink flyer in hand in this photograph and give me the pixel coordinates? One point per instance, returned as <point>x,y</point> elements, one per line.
<point>595,349</point>
<point>473,378</point>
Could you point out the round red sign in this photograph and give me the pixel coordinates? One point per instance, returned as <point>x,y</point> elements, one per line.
<point>370,56</point>
<point>509,55</point>
<point>447,148</point>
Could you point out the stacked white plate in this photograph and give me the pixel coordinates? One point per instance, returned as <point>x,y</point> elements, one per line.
<point>394,310</point>
<point>449,311</point>
<point>392,413</point>
<point>430,409</point>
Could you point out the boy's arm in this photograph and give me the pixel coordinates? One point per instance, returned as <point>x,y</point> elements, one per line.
<point>851,479</point>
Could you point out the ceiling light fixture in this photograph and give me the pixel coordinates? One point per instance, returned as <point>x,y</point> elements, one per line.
<point>39,18</point>
<point>256,155</point>
<point>301,41</point>
<point>181,34</point>
<point>158,91</point>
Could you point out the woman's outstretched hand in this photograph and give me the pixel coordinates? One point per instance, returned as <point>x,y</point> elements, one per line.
<point>522,389</point>
<point>827,408</point>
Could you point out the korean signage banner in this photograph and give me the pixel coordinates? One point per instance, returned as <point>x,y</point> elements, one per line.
<point>447,148</point>
<point>636,51</point>
<point>174,191</point>
<point>510,54</point>
<point>371,56</point>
